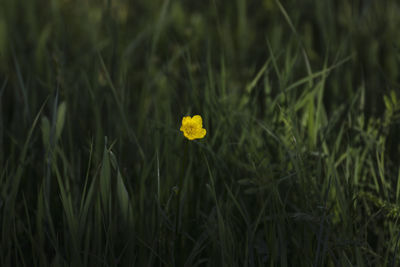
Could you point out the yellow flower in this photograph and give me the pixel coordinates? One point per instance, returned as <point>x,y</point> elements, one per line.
<point>192,128</point>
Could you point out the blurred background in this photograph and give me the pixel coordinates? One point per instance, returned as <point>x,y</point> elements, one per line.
<point>299,165</point>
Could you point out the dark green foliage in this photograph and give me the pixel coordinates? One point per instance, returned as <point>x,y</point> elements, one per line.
<point>299,166</point>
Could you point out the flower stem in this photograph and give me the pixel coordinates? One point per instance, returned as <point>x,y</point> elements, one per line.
<point>180,193</point>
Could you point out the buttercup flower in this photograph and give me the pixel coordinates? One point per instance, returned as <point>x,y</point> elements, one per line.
<point>192,127</point>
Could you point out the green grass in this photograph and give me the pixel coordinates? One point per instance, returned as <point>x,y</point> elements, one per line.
<point>299,166</point>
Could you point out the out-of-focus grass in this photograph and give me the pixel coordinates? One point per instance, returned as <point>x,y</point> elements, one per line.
<point>299,165</point>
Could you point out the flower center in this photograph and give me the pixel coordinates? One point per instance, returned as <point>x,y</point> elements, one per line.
<point>191,129</point>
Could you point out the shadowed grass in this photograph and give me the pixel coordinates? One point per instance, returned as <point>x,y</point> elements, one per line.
<point>299,166</point>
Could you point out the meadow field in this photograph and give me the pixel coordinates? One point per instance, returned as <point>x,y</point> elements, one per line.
<point>300,164</point>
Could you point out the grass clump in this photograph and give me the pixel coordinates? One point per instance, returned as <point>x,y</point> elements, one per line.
<point>299,166</point>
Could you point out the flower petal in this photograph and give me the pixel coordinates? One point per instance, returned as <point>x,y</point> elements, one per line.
<point>197,120</point>
<point>188,135</point>
<point>186,119</point>
<point>201,133</point>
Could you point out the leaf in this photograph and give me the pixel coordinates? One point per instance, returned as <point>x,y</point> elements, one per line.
<point>388,103</point>
<point>60,119</point>
<point>45,126</point>
<point>105,177</point>
<point>123,198</point>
